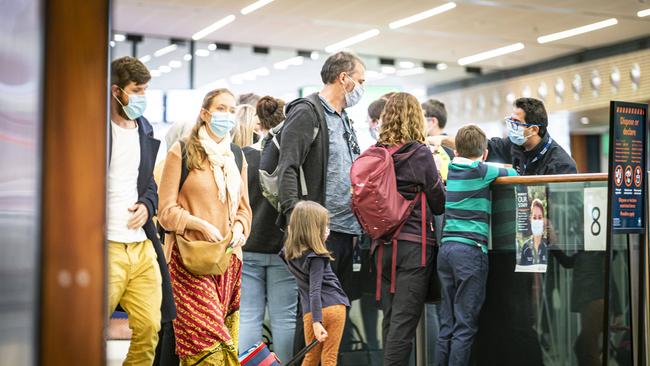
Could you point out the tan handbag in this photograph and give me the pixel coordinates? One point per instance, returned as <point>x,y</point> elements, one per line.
<point>205,257</point>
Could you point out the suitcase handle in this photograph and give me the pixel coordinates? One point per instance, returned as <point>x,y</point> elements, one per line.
<point>302,352</point>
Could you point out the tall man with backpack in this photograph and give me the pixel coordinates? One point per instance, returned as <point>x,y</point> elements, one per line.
<point>315,163</point>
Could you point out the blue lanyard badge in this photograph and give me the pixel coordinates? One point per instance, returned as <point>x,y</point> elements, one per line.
<point>540,154</point>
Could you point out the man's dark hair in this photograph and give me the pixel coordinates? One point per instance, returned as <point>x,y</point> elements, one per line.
<point>129,69</point>
<point>435,108</point>
<point>375,108</point>
<point>338,63</point>
<point>535,113</point>
<point>248,98</point>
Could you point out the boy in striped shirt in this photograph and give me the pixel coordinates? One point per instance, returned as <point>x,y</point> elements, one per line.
<point>462,260</point>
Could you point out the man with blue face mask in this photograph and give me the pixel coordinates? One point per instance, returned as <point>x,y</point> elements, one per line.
<point>316,164</point>
<point>529,147</point>
<point>138,279</point>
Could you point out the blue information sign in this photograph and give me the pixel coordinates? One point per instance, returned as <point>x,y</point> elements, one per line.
<point>627,166</point>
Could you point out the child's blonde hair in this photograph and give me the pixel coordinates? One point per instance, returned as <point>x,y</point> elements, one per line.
<point>307,228</point>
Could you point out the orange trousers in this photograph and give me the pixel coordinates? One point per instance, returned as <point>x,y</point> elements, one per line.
<point>328,351</point>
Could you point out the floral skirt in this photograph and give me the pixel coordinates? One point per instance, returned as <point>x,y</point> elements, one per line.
<point>207,321</point>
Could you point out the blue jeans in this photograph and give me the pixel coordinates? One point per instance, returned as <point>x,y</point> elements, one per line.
<point>267,282</point>
<point>463,271</point>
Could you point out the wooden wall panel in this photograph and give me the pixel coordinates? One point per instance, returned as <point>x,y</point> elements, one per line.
<point>579,152</point>
<point>74,158</point>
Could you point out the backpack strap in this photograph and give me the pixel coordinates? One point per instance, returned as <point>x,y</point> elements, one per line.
<point>393,265</point>
<point>239,156</point>
<point>184,170</point>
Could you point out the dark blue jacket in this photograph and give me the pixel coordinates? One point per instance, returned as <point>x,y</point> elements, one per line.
<point>148,195</point>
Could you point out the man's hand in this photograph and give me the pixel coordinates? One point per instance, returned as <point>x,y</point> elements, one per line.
<point>139,217</point>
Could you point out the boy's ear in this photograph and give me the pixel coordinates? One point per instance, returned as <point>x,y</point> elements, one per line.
<point>485,154</point>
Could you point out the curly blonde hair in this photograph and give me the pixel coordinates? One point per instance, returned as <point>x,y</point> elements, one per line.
<point>402,120</point>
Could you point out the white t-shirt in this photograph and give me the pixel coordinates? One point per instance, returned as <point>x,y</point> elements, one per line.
<point>123,184</point>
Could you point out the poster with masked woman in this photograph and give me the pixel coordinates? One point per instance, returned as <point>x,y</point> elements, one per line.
<point>531,247</point>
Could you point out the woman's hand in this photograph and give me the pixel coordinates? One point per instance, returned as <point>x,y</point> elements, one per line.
<point>319,332</point>
<point>209,231</point>
<point>238,237</point>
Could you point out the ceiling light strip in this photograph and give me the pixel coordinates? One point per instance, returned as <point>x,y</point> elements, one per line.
<point>165,50</point>
<point>351,41</point>
<point>213,27</point>
<point>254,6</point>
<point>576,31</point>
<point>643,13</point>
<point>491,54</point>
<point>421,16</point>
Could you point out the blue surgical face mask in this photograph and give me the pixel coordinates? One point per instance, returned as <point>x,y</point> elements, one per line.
<point>517,137</point>
<point>353,97</point>
<point>222,122</point>
<point>135,108</point>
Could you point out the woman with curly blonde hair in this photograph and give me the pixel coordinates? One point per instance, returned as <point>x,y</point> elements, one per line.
<point>403,133</point>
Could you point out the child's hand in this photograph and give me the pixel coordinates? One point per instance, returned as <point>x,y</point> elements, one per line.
<point>319,332</point>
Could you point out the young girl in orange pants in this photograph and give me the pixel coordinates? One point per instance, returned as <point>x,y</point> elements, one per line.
<point>322,299</point>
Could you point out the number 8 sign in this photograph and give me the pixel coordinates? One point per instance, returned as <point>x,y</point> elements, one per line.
<point>595,203</point>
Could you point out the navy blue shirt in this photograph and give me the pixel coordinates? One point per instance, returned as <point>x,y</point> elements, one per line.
<point>318,286</point>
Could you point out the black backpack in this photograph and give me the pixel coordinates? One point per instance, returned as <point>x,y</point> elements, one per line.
<point>239,160</point>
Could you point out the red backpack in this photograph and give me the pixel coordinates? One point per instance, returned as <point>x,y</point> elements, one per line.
<point>379,207</point>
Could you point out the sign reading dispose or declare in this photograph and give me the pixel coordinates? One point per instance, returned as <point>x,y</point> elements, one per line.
<point>627,165</point>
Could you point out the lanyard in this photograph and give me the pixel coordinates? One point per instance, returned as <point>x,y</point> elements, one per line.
<point>539,154</point>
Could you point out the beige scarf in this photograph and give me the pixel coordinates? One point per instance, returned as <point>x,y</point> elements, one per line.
<point>224,168</point>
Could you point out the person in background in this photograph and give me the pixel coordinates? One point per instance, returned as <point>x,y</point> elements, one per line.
<point>266,282</point>
<point>208,306</point>
<point>245,122</point>
<point>403,132</point>
<point>137,276</point>
<point>323,302</point>
<point>250,99</point>
<point>462,260</point>
<point>436,117</point>
<point>179,130</point>
<point>374,116</point>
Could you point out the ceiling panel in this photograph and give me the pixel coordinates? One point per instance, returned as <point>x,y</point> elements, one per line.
<point>473,26</point>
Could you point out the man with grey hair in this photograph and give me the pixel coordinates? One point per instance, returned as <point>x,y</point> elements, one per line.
<point>315,164</point>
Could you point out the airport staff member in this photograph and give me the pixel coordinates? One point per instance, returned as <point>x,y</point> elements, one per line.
<point>529,147</point>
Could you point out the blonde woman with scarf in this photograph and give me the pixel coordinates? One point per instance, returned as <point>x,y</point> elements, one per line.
<point>211,204</point>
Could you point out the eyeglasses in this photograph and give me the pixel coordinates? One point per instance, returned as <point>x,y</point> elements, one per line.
<point>514,125</point>
<point>352,142</point>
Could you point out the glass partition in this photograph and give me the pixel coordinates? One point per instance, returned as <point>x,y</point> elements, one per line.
<point>555,316</point>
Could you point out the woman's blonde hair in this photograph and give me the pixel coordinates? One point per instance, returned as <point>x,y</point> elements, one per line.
<point>194,152</point>
<point>307,228</point>
<point>402,120</point>
<point>242,134</point>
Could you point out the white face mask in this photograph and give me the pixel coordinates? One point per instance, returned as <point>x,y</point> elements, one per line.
<point>537,227</point>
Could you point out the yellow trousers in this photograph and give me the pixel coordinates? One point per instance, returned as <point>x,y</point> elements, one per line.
<point>134,281</point>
